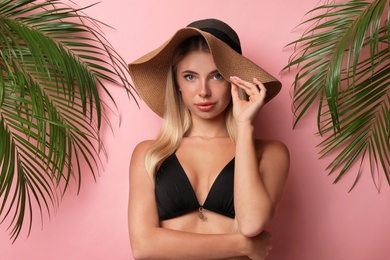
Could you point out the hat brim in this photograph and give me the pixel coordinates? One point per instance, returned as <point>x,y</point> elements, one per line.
<point>149,73</point>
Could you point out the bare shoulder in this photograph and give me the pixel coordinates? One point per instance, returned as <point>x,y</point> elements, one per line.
<point>137,162</point>
<point>274,157</point>
<point>141,148</point>
<point>271,148</point>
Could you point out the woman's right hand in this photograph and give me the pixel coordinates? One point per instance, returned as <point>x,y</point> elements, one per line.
<point>259,246</point>
<point>246,110</point>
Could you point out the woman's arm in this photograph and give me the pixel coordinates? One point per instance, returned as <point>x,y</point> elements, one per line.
<point>261,168</point>
<point>150,241</point>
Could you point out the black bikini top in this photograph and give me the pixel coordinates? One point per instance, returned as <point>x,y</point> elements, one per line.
<point>175,195</point>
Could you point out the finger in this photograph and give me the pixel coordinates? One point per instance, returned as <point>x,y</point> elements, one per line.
<point>248,87</point>
<point>259,85</point>
<point>234,91</point>
<point>262,89</point>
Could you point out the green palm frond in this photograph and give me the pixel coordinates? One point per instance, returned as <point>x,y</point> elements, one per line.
<point>343,61</point>
<point>54,62</point>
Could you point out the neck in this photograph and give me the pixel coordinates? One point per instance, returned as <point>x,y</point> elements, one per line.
<point>208,128</point>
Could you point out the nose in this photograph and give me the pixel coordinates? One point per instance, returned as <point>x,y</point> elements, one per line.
<point>204,89</point>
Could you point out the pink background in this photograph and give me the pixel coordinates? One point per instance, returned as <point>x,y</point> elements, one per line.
<point>316,219</point>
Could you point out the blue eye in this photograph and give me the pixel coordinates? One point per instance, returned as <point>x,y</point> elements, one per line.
<point>218,76</point>
<point>189,77</point>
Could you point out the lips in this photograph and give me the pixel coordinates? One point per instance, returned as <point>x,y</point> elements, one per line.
<point>205,106</point>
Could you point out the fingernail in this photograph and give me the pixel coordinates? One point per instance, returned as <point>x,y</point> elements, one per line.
<point>234,77</point>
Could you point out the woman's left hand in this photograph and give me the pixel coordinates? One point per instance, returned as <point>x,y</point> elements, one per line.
<point>243,110</point>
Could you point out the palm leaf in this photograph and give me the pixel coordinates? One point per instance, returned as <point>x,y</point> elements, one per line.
<point>342,61</point>
<point>54,63</point>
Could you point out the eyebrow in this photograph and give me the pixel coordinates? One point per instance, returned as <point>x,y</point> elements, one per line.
<point>188,71</point>
<point>193,72</point>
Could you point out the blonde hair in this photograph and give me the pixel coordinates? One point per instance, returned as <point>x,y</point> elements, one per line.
<point>177,119</point>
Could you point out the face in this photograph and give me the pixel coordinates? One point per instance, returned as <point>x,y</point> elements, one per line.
<point>204,91</point>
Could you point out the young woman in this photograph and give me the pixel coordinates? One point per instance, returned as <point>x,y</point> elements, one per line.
<point>205,188</point>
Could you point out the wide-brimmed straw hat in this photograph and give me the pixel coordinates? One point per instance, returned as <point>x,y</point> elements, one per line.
<point>149,73</point>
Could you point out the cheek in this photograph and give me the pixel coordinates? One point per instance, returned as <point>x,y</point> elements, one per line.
<point>227,93</point>
<point>228,100</point>
<point>187,96</point>
<point>183,89</point>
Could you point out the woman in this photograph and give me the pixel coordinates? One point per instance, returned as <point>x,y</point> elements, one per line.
<point>205,188</point>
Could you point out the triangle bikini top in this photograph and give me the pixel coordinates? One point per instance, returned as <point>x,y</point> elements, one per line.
<point>175,195</point>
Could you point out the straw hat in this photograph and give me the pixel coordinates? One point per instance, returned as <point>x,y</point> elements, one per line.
<point>149,73</point>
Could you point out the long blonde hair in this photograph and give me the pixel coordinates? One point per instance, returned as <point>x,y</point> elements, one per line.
<point>177,119</point>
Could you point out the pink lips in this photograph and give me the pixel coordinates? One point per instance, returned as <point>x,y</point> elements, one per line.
<point>205,106</point>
